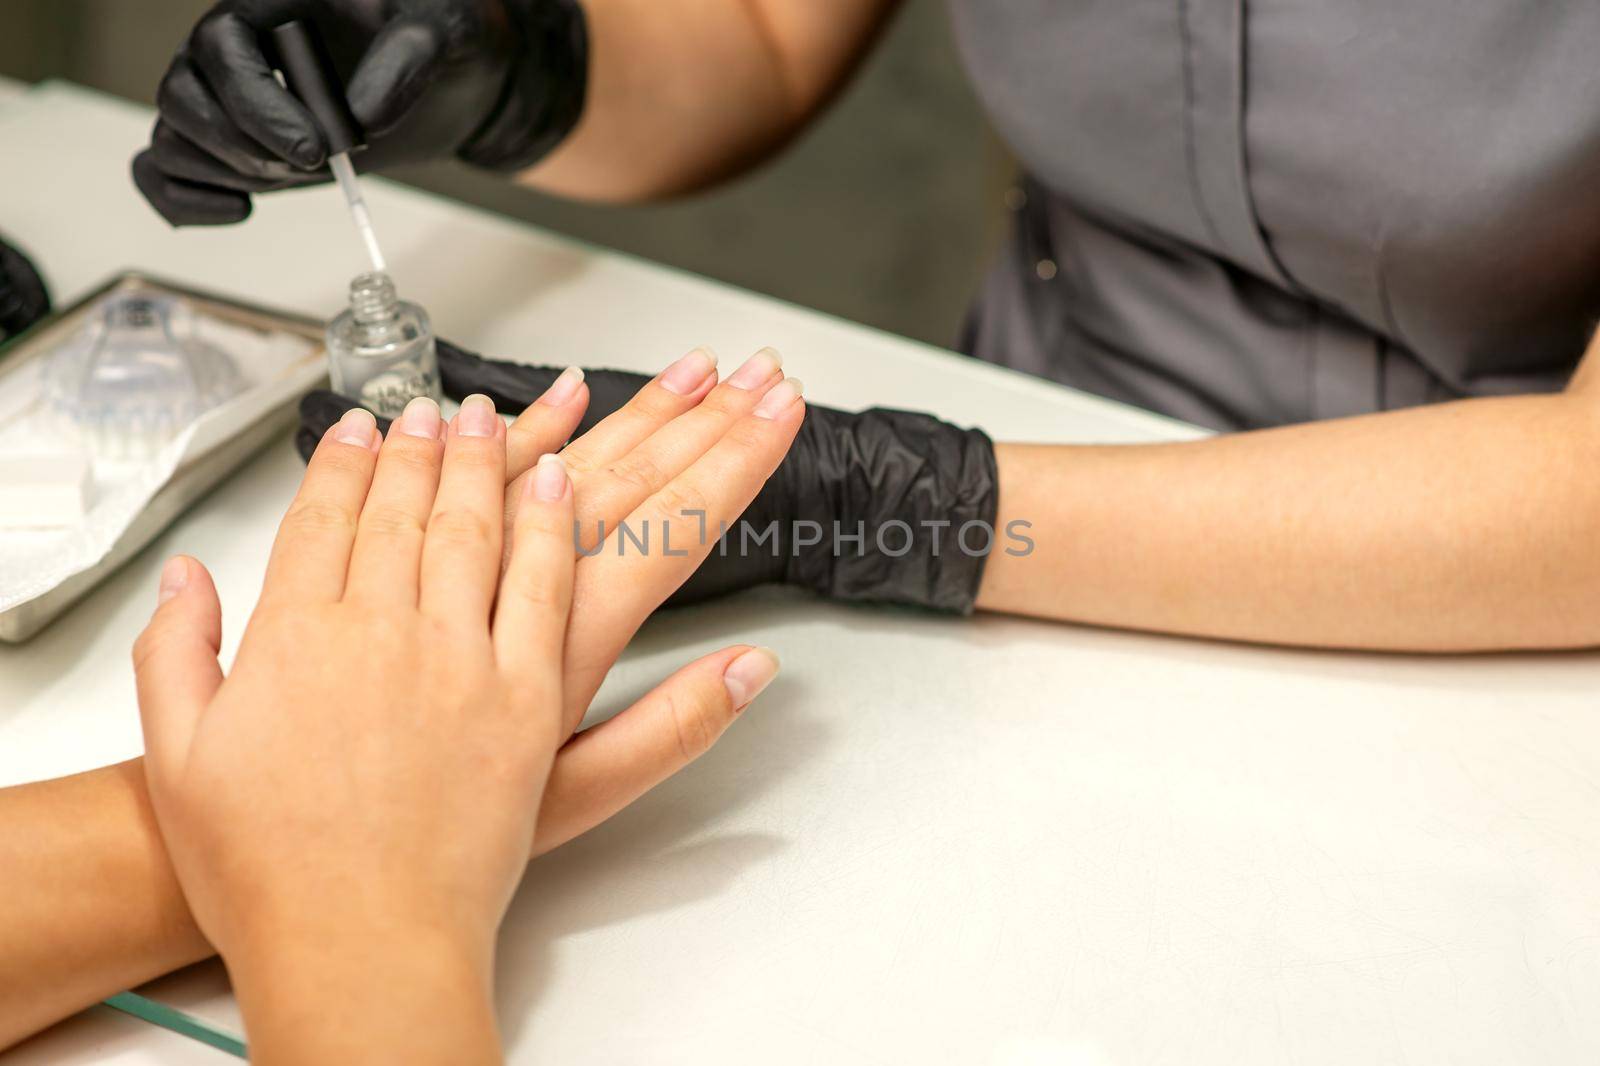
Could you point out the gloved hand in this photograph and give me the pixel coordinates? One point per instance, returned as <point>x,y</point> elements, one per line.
<point>870,472</point>
<point>23,296</point>
<point>496,83</point>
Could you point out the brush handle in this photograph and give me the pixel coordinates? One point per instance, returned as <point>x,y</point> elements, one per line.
<point>310,74</point>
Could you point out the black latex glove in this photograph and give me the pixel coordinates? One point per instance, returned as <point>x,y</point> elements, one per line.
<point>23,296</point>
<point>496,83</point>
<point>873,468</point>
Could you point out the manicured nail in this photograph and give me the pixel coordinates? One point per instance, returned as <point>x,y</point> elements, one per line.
<point>477,417</point>
<point>780,399</point>
<point>747,675</point>
<point>421,418</point>
<point>174,576</point>
<point>550,478</point>
<point>684,376</point>
<point>564,387</point>
<point>357,427</point>
<point>756,369</point>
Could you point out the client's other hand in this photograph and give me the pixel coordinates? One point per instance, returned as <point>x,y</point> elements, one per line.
<point>684,456</point>
<point>877,505</point>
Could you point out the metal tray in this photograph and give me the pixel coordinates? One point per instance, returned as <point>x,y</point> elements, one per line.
<point>198,474</point>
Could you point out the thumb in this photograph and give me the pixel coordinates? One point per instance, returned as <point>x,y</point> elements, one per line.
<point>604,768</point>
<point>397,69</point>
<point>175,660</point>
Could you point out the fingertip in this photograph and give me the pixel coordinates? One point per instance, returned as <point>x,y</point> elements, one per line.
<point>478,418</point>
<point>763,368</point>
<point>180,574</point>
<point>749,674</point>
<point>186,585</point>
<point>186,203</point>
<point>550,482</point>
<point>690,373</point>
<point>784,396</point>
<point>174,579</point>
<point>576,408</point>
<point>308,153</point>
<point>566,388</point>
<point>421,418</point>
<point>357,426</point>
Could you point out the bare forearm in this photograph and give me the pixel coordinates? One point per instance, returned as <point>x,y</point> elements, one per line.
<point>683,93</point>
<point>1465,526</point>
<point>91,905</point>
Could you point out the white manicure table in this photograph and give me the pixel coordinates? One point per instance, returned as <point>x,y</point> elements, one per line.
<point>934,840</point>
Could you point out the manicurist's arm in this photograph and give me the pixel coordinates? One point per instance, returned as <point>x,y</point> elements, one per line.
<point>683,93</point>
<point>636,98</point>
<point>1462,526</point>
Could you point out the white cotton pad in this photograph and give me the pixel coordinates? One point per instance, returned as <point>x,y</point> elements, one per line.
<point>43,491</point>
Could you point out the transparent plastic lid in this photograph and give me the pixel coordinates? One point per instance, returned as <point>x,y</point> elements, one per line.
<point>138,374</point>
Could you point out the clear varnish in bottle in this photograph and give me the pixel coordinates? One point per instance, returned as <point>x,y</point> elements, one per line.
<point>381,349</point>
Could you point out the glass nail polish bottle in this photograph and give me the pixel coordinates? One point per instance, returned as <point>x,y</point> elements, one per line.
<point>381,349</point>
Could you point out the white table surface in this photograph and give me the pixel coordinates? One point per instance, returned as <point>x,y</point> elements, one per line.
<point>934,840</point>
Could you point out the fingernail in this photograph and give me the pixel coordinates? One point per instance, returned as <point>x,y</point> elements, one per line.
<point>756,369</point>
<point>780,399</point>
<point>174,576</point>
<point>747,675</point>
<point>563,388</point>
<point>421,418</point>
<point>550,478</point>
<point>357,427</point>
<point>477,417</point>
<point>684,376</point>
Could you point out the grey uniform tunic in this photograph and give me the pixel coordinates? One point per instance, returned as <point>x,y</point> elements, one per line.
<point>1251,213</point>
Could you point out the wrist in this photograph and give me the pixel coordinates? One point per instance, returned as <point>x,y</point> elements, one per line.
<point>367,930</point>
<point>912,502</point>
<point>345,995</point>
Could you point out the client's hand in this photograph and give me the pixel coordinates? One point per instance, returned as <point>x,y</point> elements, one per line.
<point>92,906</point>
<point>314,802</point>
<point>351,806</point>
